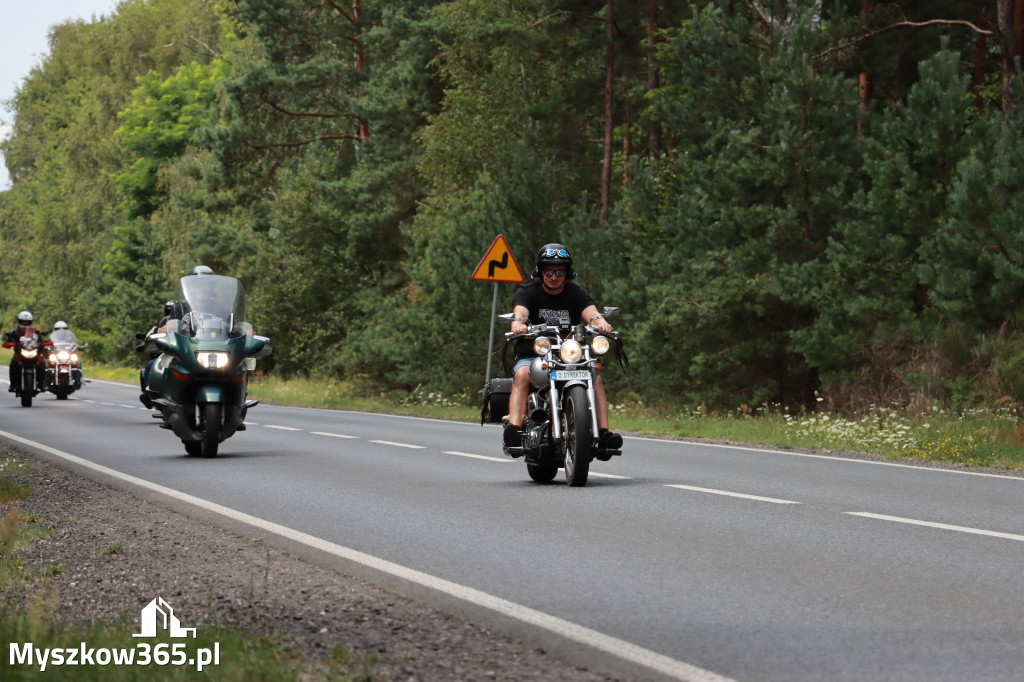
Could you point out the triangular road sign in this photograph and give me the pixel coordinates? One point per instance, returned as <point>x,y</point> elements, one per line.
<point>498,264</point>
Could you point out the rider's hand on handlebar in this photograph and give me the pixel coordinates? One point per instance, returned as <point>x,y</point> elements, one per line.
<point>601,325</point>
<point>519,327</point>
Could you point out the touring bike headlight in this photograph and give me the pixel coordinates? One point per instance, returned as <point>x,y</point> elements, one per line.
<point>600,345</point>
<point>63,355</point>
<point>213,359</point>
<point>571,351</point>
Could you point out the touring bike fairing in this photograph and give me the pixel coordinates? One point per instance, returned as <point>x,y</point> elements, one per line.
<point>201,377</point>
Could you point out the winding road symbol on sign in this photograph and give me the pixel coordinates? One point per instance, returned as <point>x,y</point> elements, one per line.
<point>498,264</point>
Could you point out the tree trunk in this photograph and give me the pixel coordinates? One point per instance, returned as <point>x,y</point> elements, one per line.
<point>980,50</point>
<point>866,90</point>
<point>609,124</point>
<point>357,10</point>
<point>652,75</point>
<point>1005,10</point>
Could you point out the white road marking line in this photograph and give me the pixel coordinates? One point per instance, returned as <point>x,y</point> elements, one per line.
<point>400,445</point>
<point>940,526</point>
<point>281,428</point>
<point>332,435</point>
<point>503,460</point>
<point>594,473</point>
<point>757,498</point>
<point>665,665</point>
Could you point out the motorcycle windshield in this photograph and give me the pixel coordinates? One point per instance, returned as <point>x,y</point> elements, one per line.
<point>212,306</point>
<point>63,338</point>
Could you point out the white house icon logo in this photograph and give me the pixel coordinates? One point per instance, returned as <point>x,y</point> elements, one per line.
<point>158,610</point>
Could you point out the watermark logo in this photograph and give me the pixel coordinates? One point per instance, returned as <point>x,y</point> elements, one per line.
<point>158,611</point>
<point>157,615</point>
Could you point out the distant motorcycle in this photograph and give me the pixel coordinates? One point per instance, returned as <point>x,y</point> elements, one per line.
<point>200,380</point>
<point>560,429</point>
<point>64,367</point>
<point>28,361</point>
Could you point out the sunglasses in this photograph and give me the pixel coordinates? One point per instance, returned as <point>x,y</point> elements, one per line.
<point>557,274</point>
<point>557,252</point>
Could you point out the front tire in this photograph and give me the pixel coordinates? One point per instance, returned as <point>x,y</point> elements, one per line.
<point>212,417</point>
<point>578,437</point>
<point>542,473</point>
<point>26,399</point>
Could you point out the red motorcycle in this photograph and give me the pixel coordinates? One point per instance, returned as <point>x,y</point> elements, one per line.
<point>28,369</point>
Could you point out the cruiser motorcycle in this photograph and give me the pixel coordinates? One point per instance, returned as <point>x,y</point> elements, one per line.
<point>64,367</point>
<point>28,354</point>
<point>199,382</point>
<point>560,429</point>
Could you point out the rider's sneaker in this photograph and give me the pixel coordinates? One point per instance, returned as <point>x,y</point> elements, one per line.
<point>513,438</point>
<point>12,389</point>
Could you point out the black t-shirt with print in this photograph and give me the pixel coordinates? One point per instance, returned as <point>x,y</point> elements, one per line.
<point>564,308</point>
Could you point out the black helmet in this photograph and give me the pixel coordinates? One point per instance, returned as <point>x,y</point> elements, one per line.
<point>200,270</point>
<point>554,254</point>
<point>24,319</point>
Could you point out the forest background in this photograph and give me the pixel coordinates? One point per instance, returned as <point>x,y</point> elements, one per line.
<point>792,202</point>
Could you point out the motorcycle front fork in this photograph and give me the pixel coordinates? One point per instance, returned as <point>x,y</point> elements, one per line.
<point>556,410</point>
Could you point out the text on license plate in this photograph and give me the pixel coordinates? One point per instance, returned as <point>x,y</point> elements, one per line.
<point>570,374</point>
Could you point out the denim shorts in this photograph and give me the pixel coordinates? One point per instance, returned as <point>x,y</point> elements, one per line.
<point>522,362</point>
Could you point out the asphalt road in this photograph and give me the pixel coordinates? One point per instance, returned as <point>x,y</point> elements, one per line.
<point>681,560</point>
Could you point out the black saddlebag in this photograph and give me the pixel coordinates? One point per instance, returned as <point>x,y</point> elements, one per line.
<point>496,397</point>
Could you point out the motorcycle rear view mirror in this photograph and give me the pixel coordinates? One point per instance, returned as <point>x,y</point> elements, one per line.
<point>610,311</point>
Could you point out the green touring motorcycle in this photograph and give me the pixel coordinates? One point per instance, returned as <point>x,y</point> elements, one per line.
<point>199,381</point>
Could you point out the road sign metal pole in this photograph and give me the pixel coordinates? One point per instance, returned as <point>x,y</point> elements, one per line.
<point>490,343</point>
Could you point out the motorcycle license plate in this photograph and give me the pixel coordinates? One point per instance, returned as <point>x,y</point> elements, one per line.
<point>571,374</point>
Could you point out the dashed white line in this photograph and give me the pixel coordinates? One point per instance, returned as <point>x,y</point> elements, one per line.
<point>940,526</point>
<point>727,493</point>
<point>400,445</point>
<point>332,435</point>
<point>599,475</point>
<point>503,460</point>
<point>281,428</point>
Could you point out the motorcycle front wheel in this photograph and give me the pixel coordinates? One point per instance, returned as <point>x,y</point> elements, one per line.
<point>542,473</point>
<point>211,429</point>
<point>578,437</point>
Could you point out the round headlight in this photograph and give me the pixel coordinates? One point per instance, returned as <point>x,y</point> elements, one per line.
<point>63,355</point>
<point>600,345</point>
<point>571,351</point>
<point>541,345</point>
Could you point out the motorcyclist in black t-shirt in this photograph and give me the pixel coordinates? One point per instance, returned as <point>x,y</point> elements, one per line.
<point>550,297</point>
